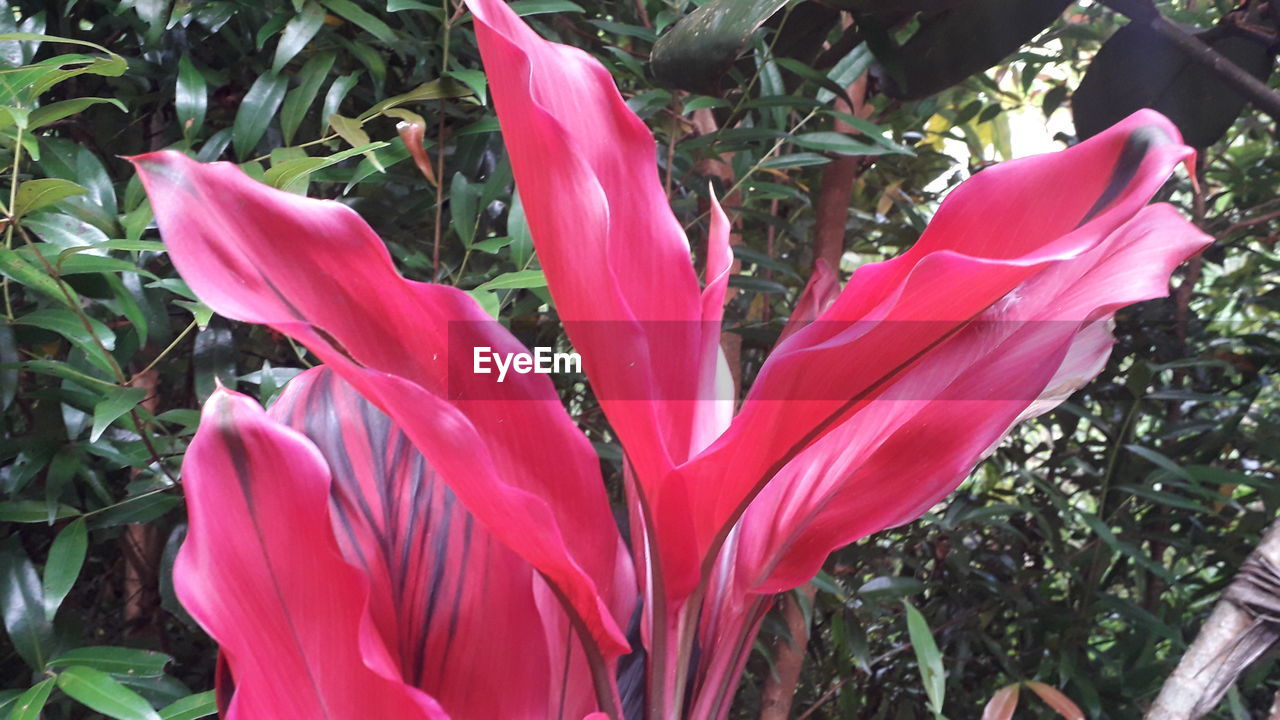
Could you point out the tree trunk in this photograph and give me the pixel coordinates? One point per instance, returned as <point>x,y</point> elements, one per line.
<point>1230,639</point>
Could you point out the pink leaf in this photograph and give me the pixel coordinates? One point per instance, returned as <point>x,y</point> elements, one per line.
<point>314,270</point>
<point>262,572</point>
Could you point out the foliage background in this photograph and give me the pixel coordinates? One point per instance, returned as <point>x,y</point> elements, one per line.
<point>1084,553</point>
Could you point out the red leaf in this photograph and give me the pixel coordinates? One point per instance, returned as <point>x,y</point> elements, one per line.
<point>261,571</point>
<point>315,271</point>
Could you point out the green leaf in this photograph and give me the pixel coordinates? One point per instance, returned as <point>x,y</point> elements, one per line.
<point>256,111</point>
<point>462,208</point>
<point>18,268</point>
<point>35,194</point>
<point>99,691</point>
<point>441,89</point>
<point>299,99</point>
<point>8,356</point>
<point>521,279</point>
<point>292,175</point>
<point>838,143</point>
<point>297,33</point>
<point>928,657</point>
<point>72,327</point>
<point>1158,460</point>
<point>756,284</point>
<point>66,556</point>
<point>110,408</point>
<point>525,8</point>
<point>22,601</point>
<point>336,94</point>
<point>54,112</point>
<point>191,97</point>
<point>370,24</point>
<point>191,707</point>
<point>33,511</point>
<point>31,703</point>
<point>349,129</point>
<point>128,662</point>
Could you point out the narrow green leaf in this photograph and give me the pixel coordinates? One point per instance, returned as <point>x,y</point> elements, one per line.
<point>18,268</point>
<point>838,143</point>
<point>31,703</point>
<point>928,657</point>
<point>349,129</point>
<point>66,557</point>
<point>191,97</point>
<point>299,99</point>
<point>355,14</point>
<point>435,90</point>
<point>518,280</point>
<point>115,404</point>
<point>35,194</point>
<point>128,662</point>
<point>462,208</point>
<point>8,356</point>
<point>256,111</point>
<point>191,707</point>
<point>33,511</point>
<point>336,94</point>
<point>54,112</point>
<point>72,327</point>
<point>99,691</point>
<point>525,8</point>
<point>22,601</point>
<point>297,33</point>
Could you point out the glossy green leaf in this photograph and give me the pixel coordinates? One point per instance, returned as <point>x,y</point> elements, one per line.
<point>35,194</point>
<point>110,408</point>
<point>13,265</point>
<point>33,511</point>
<point>123,661</point>
<point>191,97</point>
<point>86,333</point>
<point>99,691</point>
<point>928,657</point>
<point>30,704</point>
<point>353,13</point>
<point>22,601</point>
<point>256,112</point>
<point>53,112</point>
<point>297,33</point>
<point>300,99</point>
<point>435,90</point>
<point>336,94</point>
<point>838,143</point>
<point>520,279</point>
<point>191,707</point>
<point>66,556</point>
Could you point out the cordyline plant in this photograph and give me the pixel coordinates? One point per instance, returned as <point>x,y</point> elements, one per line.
<point>398,537</point>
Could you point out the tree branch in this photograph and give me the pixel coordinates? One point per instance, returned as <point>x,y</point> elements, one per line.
<point>1257,91</point>
<point>1224,645</point>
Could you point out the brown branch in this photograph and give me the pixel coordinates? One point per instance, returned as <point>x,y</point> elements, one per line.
<point>788,658</point>
<point>1230,627</point>
<point>1257,91</point>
